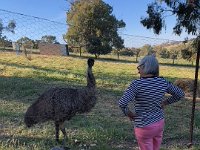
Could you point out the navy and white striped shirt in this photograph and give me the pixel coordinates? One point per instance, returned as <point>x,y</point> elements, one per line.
<point>147,95</point>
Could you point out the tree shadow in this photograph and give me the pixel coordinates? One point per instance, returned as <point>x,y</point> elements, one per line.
<point>20,89</point>
<point>17,65</point>
<point>27,89</point>
<point>129,61</point>
<point>103,59</point>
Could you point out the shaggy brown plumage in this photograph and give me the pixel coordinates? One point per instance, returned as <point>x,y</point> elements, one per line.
<point>60,104</point>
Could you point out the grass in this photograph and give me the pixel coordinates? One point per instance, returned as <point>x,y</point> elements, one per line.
<point>104,128</point>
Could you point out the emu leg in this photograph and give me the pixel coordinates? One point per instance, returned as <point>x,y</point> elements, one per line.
<point>62,128</point>
<point>57,130</point>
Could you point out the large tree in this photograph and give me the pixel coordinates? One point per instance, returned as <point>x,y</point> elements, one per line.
<point>187,13</point>
<point>91,24</point>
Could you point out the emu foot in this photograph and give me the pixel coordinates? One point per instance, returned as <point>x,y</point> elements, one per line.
<point>64,141</point>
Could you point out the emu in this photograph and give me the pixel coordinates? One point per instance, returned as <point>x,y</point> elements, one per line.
<point>60,104</point>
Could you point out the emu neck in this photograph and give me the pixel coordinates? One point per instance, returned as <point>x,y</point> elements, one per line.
<point>91,83</point>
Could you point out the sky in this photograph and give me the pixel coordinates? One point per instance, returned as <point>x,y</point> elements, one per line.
<point>130,11</point>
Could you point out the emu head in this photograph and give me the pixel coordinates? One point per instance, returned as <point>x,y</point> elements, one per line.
<point>30,117</point>
<point>90,62</point>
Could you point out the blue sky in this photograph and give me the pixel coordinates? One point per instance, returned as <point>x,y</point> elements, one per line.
<point>128,10</point>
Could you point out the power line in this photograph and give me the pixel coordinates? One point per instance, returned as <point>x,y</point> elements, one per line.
<point>74,25</point>
<point>146,37</point>
<point>38,28</point>
<point>33,17</point>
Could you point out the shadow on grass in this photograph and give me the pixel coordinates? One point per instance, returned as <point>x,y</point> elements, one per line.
<point>130,61</point>
<point>20,89</point>
<point>17,65</point>
<point>98,75</point>
<point>28,89</point>
<point>103,59</point>
<point>121,60</point>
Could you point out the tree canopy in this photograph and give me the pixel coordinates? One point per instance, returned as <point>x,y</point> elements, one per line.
<point>25,42</point>
<point>10,27</point>
<point>49,39</point>
<point>187,14</point>
<point>91,24</point>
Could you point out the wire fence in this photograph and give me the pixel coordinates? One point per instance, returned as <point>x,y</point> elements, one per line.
<point>35,28</point>
<point>178,116</point>
<point>32,27</point>
<point>139,41</point>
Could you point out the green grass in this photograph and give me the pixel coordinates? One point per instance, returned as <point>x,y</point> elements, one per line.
<point>104,128</point>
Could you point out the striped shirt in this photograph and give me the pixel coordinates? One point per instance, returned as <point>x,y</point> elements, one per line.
<point>147,95</point>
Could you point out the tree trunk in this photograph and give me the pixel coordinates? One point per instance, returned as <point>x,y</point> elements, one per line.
<point>194,93</point>
<point>136,59</point>
<point>118,54</point>
<point>80,50</point>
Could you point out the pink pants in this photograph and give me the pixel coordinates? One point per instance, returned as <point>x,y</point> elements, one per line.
<point>150,137</point>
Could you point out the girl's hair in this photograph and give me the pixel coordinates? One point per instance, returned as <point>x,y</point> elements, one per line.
<point>150,65</point>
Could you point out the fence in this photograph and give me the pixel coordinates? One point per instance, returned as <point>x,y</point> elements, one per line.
<point>178,117</point>
<point>35,28</point>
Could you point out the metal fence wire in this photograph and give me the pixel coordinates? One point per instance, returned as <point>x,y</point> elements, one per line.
<point>178,116</point>
<point>32,27</point>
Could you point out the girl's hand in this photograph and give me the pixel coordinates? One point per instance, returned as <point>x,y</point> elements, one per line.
<point>131,115</point>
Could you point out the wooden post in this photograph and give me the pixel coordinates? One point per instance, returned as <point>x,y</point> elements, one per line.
<point>194,94</point>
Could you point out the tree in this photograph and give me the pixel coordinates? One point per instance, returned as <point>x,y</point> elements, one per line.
<point>173,54</point>
<point>119,45</point>
<point>136,52</point>
<point>188,51</point>
<point>26,43</point>
<point>4,42</point>
<point>187,16</point>
<point>164,53</point>
<point>49,39</point>
<point>187,13</point>
<point>10,28</point>
<point>91,24</point>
